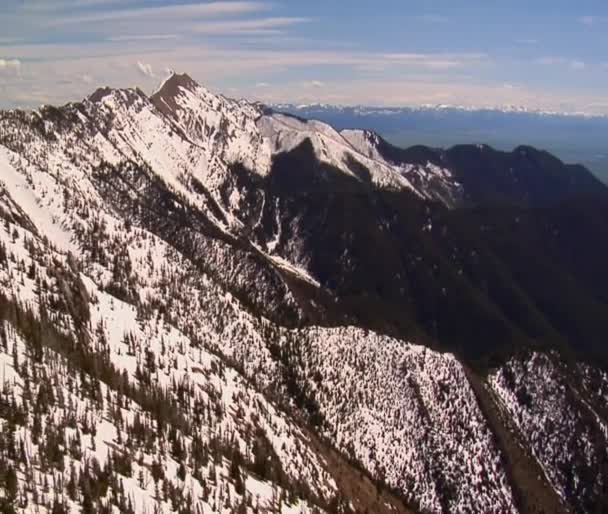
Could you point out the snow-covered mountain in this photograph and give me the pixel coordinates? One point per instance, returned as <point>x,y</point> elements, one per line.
<point>206,306</point>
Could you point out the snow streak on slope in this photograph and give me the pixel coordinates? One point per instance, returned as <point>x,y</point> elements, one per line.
<point>18,187</point>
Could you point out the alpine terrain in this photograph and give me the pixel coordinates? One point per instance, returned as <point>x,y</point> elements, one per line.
<point>210,306</point>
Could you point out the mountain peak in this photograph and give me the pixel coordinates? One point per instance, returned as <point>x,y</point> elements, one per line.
<point>171,85</point>
<point>165,96</point>
<point>99,94</point>
<point>128,95</point>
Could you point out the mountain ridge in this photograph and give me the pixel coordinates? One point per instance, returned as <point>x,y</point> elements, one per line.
<point>389,110</point>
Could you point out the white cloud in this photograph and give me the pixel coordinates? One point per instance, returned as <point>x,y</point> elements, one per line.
<point>247,27</point>
<point>217,71</point>
<point>146,69</point>
<point>549,61</point>
<point>275,74</point>
<point>442,65</point>
<point>471,56</point>
<point>573,64</point>
<point>587,20</point>
<point>577,65</point>
<point>237,60</point>
<point>143,37</point>
<point>431,61</point>
<point>10,65</point>
<point>51,5</point>
<point>164,13</point>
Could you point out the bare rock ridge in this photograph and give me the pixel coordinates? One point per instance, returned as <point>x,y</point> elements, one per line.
<point>208,306</point>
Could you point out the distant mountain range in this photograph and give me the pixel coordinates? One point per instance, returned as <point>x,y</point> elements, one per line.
<point>575,137</point>
<point>392,111</point>
<point>207,305</point>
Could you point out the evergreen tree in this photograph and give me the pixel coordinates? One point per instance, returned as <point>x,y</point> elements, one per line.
<point>11,484</point>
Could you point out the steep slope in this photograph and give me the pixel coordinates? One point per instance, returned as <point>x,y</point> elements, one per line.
<point>88,377</point>
<point>137,287</point>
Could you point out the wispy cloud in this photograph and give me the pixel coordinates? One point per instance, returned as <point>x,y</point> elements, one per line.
<point>10,65</point>
<point>143,37</point>
<point>527,41</point>
<point>165,13</point>
<point>577,65</point>
<point>549,61</point>
<point>52,5</point>
<point>268,80</point>
<point>238,61</point>
<point>573,64</point>
<point>588,20</point>
<point>50,66</point>
<point>432,61</point>
<point>264,26</point>
<point>406,56</point>
<point>146,69</point>
<point>9,40</point>
<point>317,84</point>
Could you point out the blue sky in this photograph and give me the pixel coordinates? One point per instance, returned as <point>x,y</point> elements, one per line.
<point>541,54</point>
